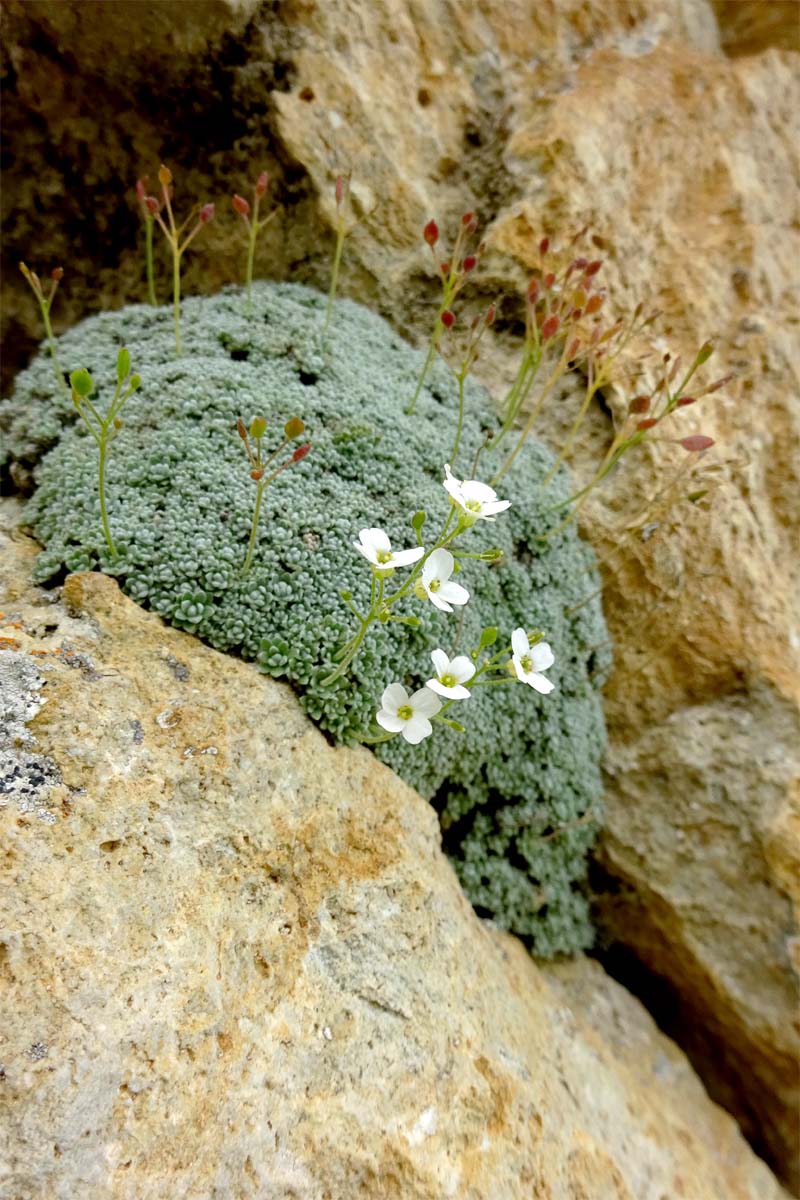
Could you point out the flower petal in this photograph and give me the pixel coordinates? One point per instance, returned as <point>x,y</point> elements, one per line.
<point>453,593</point>
<point>520,643</point>
<point>376,539</point>
<point>402,558</point>
<point>424,702</point>
<point>416,729</point>
<point>440,661</point>
<point>462,667</point>
<point>542,656</point>
<point>394,697</point>
<point>438,601</point>
<point>473,489</point>
<point>540,682</point>
<point>522,674</point>
<point>369,553</point>
<point>496,506</point>
<point>451,693</point>
<point>440,564</point>
<point>390,721</point>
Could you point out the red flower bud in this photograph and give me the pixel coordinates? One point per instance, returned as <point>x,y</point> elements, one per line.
<point>491,312</point>
<point>467,219</point>
<point>257,473</point>
<point>685,400</point>
<point>431,233</point>
<point>533,291</point>
<point>206,213</point>
<point>241,205</point>
<point>448,318</point>
<point>544,246</point>
<point>696,442</point>
<point>647,423</point>
<point>339,191</point>
<point>550,328</point>
<point>639,404</point>
<point>301,452</point>
<point>576,314</point>
<point>580,263</point>
<point>152,205</point>
<point>573,350</point>
<point>469,262</point>
<point>261,183</point>
<point>594,267</point>
<point>719,383</point>
<point>444,268</point>
<point>57,274</point>
<point>141,187</point>
<point>594,303</point>
<point>241,429</point>
<point>549,280</point>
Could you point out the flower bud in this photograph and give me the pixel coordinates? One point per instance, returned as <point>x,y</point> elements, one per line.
<point>431,233</point>
<point>123,363</point>
<point>206,213</point>
<point>448,318</point>
<point>261,183</point>
<point>134,383</point>
<point>549,280</point>
<point>490,314</point>
<point>639,404</point>
<point>467,219</point>
<point>533,291</point>
<point>573,350</point>
<point>141,187</point>
<point>594,304</point>
<point>301,452</point>
<point>293,427</point>
<point>339,189</point>
<point>151,205</point>
<point>719,383</point>
<point>240,204</point>
<point>696,442</point>
<point>704,353</point>
<point>241,430</point>
<point>683,401</point>
<point>57,274</point>
<point>544,246</point>
<point>164,176</point>
<point>258,427</point>
<point>550,328</point>
<point>257,473</point>
<point>81,382</point>
<point>469,262</point>
<point>444,268</point>
<point>593,267</point>
<point>580,263</point>
<point>647,423</point>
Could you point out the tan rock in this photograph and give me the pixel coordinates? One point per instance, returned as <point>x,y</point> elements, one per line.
<point>236,963</point>
<point>543,117</point>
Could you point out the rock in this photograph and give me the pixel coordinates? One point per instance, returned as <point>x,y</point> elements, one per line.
<point>236,963</point>
<point>628,118</point>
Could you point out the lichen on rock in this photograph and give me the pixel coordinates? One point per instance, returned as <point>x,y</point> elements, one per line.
<point>517,794</point>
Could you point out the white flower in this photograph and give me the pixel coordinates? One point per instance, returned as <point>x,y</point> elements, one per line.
<point>477,499</point>
<point>374,544</point>
<point>434,582</point>
<point>406,714</point>
<point>529,661</point>
<point>451,675</point>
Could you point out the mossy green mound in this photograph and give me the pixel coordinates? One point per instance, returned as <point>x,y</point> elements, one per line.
<point>514,790</point>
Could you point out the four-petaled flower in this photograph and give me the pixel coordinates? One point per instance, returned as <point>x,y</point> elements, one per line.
<point>374,544</point>
<point>477,499</point>
<point>434,582</point>
<point>529,661</point>
<point>409,715</point>
<point>451,675</point>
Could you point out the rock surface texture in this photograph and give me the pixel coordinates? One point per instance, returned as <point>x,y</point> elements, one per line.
<point>669,128</point>
<point>235,962</point>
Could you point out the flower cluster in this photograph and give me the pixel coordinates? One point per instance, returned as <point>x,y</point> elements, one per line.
<point>431,579</point>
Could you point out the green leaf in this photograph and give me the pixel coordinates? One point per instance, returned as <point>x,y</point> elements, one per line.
<point>82,382</point>
<point>488,637</point>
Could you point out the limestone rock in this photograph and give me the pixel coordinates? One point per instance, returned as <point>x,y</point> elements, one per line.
<point>543,117</point>
<point>236,963</point>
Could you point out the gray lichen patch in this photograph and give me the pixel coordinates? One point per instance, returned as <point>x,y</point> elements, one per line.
<point>21,698</point>
<point>26,778</point>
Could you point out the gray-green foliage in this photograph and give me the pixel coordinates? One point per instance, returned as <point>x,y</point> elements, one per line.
<point>180,504</point>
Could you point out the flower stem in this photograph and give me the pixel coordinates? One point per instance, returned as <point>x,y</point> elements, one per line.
<point>424,372</point>
<point>251,545</point>
<point>337,258</point>
<point>459,426</point>
<point>148,254</point>
<point>251,254</point>
<point>176,295</point>
<point>59,374</point>
<point>101,487</point>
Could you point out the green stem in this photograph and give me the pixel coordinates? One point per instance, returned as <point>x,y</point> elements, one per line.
<point>176,296</point>
<point>59,374</point>
<point>424,373</point>
<point>148,254</point>
<point>101,481</point>
<point>337,258</point>
<point>251,545</point>
<point>251,254</point>
<point>457,442</point>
